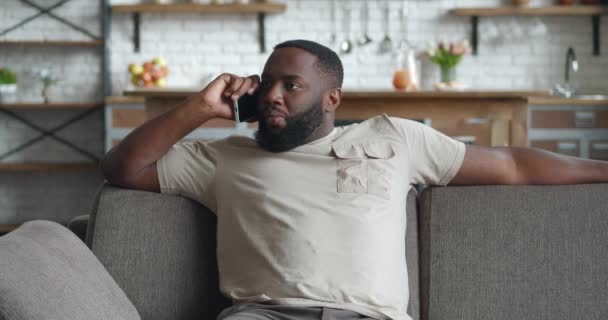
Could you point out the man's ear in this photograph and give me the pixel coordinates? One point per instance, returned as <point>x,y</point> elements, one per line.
<point>332,99</point>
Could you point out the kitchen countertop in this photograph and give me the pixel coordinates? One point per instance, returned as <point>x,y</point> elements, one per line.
<point>535,97</point>
<point>182,92</point>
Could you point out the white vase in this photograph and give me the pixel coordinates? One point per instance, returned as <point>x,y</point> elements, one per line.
<point>8,93</point>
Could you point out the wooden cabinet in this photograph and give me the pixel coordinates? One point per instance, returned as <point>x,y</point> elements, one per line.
<point>570,127</point>
<point>492,118</point>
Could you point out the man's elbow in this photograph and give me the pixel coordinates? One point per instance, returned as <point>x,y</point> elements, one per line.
<point>113,171</point>
<point>107,171</point>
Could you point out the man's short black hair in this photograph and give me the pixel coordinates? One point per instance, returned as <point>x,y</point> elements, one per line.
<point>329,62</point>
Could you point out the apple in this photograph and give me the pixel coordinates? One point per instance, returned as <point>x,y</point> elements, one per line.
<point>148,66</point>
<point>163,71</point>
<point>161,83</point>
<point>157,74</point>
<point>159,61</point>
<point>135,69</point>
<point>146,77</point>
<point>135,80</point>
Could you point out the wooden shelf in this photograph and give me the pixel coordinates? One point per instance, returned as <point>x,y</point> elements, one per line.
<point>200,8</point>
<point>531,11</point>
<point>261,9</point>
<point>58,43</point>
<point>595,12</point>
<point>124,100</point>
<point>47,166</point>
<point>54,105</point>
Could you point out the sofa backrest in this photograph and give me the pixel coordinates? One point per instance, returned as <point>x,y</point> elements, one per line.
<point>161,250</point>
<point>514,252</point>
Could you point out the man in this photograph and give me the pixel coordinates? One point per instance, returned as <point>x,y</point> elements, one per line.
<point>311,217</point>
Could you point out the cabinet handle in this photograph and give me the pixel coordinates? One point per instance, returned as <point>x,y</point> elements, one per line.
<point>599,146</point>
<point>475,120</point>
<point>584,119</point>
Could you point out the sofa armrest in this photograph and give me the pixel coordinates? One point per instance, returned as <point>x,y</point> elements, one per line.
<point>47,273</point>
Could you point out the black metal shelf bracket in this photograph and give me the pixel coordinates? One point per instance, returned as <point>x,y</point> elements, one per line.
<point>136,17</point>
<point>474,34</point>
<point>261,32</point>
<point>595,24</point>
<point>136,32</point>
<point>51,133</point>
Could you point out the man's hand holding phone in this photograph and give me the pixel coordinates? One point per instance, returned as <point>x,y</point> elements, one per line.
<point>221,95</point>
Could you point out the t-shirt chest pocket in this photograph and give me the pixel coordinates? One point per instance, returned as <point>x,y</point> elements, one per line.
<point>363,167</point>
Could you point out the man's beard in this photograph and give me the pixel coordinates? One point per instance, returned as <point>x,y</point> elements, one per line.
<point>298,128</point>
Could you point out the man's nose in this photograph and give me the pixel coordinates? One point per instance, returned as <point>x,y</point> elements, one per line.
<point>274,95</point>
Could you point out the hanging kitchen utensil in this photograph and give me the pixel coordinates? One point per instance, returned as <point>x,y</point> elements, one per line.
<point>386,44</point>
<point>346,46</point>
<point>364,16</point>
<point>332,18</point>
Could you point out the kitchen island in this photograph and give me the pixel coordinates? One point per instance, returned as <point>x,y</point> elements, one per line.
<point>492,118</point>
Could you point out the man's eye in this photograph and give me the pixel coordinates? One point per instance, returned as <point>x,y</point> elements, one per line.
<point>292,85</point>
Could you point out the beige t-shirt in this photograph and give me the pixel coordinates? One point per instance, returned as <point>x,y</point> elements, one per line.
<point>320,225</point>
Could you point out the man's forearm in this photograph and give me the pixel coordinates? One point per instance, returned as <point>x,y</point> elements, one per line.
<point>536,166</point>
<point>148,143</point>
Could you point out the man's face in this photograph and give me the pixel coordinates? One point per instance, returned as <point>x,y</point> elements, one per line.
<point>291,102</point>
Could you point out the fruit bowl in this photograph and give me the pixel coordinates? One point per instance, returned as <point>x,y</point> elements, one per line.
<point>150,74</point>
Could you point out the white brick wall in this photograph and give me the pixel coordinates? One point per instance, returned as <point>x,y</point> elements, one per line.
<point>198,46</point>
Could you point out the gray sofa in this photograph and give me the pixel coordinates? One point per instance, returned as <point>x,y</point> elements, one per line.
<point>494,252</point>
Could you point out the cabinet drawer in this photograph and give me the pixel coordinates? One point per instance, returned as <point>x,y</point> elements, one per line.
<point>469,132</point>
<point>601,119</point>
<point>568,119</point>
<point>128,117</point>
<point>565,147</point>
<point>598,150</point>
<point>552,119</point>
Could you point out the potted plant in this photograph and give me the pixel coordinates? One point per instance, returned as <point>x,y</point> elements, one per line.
<point>8,85</point>
<point>447,56</point>
<point>48,81</point>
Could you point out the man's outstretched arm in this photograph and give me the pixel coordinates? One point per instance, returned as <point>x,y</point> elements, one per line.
<point>504,165</point>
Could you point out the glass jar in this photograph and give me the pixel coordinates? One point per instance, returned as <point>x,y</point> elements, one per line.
<point>405,75</point>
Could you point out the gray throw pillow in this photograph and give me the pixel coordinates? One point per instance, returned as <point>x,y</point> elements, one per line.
<point>46,272</point>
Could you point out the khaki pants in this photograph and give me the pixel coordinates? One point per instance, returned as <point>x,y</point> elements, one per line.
<point>255,311</point>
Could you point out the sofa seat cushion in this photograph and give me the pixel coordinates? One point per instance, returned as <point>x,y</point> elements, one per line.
<point>46,272</point>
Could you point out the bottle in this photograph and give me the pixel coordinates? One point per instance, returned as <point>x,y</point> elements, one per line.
<point>405,76</point>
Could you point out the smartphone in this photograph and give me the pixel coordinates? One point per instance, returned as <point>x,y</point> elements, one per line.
<point>246,107</point>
